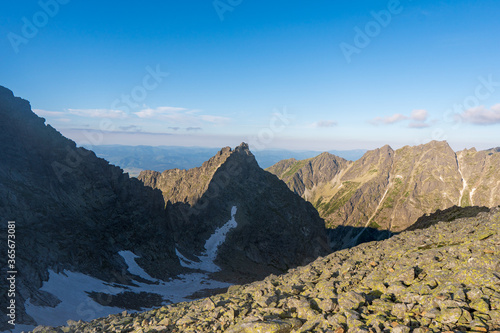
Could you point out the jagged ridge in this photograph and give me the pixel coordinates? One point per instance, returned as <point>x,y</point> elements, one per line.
<point>388,189</point>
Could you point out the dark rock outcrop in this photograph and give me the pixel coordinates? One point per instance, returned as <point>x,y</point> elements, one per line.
<point>72,210</point>
<point>446,215</point>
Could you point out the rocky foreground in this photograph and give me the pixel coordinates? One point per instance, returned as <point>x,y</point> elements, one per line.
<point>443,278</point>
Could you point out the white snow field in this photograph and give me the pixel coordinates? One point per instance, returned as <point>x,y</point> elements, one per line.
<point>206,260</point>
<point>72,288</point>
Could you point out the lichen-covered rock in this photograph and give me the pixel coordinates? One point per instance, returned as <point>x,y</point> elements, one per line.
<point>431,285</point>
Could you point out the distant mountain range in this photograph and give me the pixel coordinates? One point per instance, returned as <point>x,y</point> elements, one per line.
<point>390,189</point>
<point>134,159</point>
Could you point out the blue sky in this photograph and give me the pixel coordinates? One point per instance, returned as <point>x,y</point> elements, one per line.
<point>315,75</point>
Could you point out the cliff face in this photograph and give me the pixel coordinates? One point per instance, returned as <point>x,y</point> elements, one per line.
<point>480,175</point>
<point>303,176</point>
<point>390,190</point>
<point>72,210</point>
<point>276,229</point>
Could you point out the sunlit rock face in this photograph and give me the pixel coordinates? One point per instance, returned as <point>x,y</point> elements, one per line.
<point>390,189</point>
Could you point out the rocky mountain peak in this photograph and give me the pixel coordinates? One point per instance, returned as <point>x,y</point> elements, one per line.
<point>302,176</point>
<point>9,101</point>
<point>382,153</point>
<point>275,229</point>
<point>243,147</point>
<point>437,144</point>
<point>189,185</point>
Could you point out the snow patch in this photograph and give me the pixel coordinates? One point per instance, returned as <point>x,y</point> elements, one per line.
<point>71,289</point>
<point>207,258</point>
<point>471,196</point>
<point>133,267</point>
<point>464,182</point>
<point>219,236</point>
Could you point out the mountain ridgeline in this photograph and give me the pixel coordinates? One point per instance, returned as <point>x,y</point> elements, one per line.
<point>82,221</point>
<point>390,189</point>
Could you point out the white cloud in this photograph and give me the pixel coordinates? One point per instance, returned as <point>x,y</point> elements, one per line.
<point>419,115</point>
<point>395,118</point>
<point>389,120</point>
<point>482,116</point>
<point>159,111</point>
<point>417,118</point>
<point>45,113</point>
<point>180,116</point>
<point>325,123</point>
<point>63,120</point>
<point>99,113</point>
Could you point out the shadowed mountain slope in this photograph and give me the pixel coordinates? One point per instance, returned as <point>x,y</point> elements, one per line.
<point>79,218</point>
<point>72,210</point>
